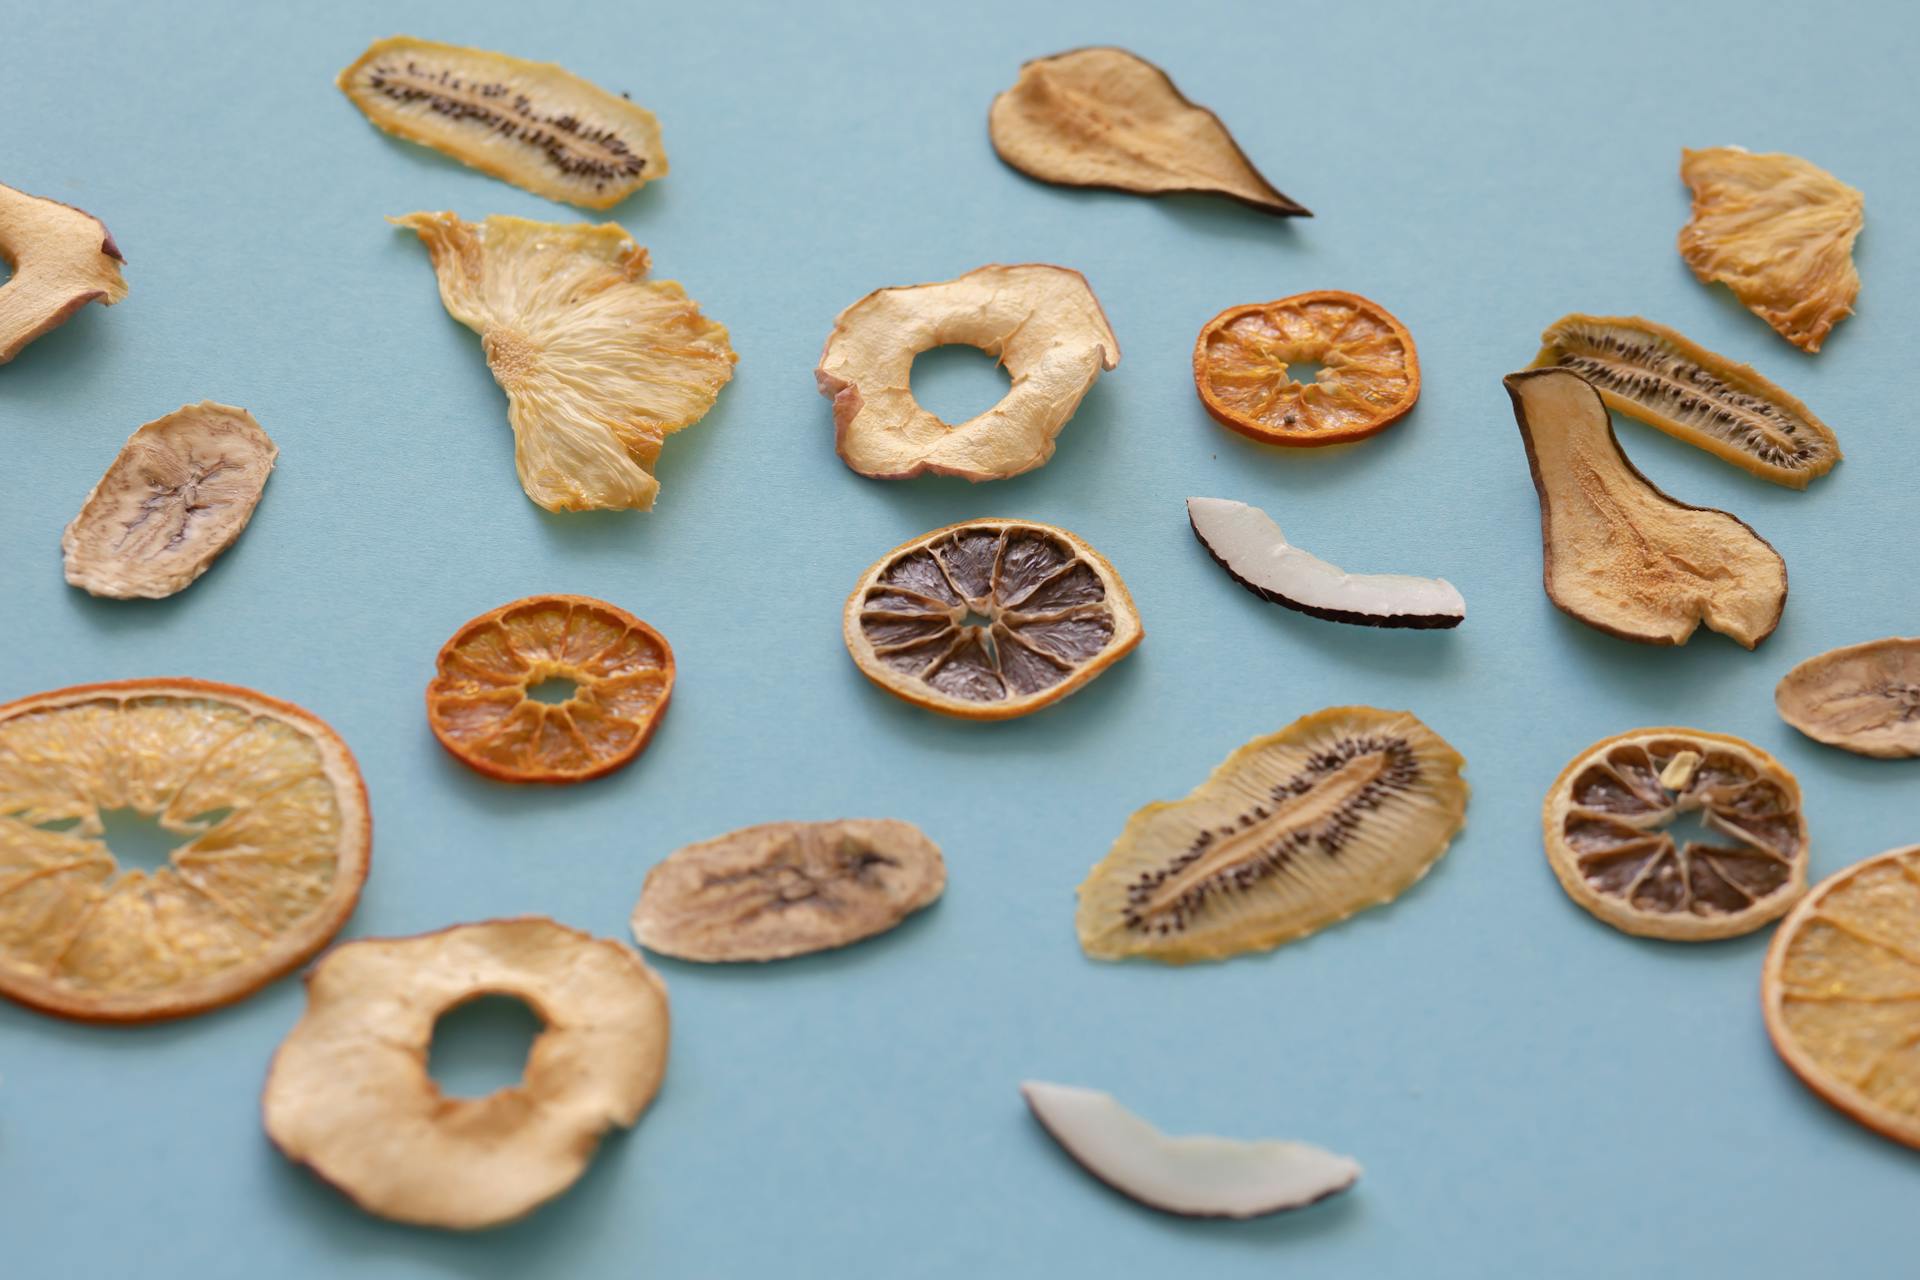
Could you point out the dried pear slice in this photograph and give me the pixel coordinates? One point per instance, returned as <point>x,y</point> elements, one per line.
<point>787,888</point>
<point>1622,556</point>
<point>599,363</point>
<point>535,124</point>
<point>1648,371</point>
<point>1779,232</point>
<point>1104,117</point>
<point>1341,810</point>
<point>1864,698</point>
<point>179,492</point>
<point>62,258</point>
<point>1041,322</point>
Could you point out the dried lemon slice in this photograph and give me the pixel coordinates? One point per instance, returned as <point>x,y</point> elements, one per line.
<point>1605,818</point>
<point>1841,991</point>
<point>62,259</point>
<point>989,619</point>
<point>275,836</point>
<point>599,364</point>
<point>1369,375</point>
<point>478,703</point>
<point>1863,698</point>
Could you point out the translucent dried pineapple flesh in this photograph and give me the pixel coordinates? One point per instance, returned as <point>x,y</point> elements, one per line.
<point>534,124</point>
<point>1864,698</point>
<point>1343,809</point>
<point>1779,232</point>
<point>599,363</point>
<point>62,259</point>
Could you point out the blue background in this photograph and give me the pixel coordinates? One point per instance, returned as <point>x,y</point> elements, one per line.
<point>1531,1092</point>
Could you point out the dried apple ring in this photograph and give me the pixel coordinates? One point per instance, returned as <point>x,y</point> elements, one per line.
<point>1042,322</point>
<point>62,259</point>
<point>479,703</point>
<point>1369,373</point>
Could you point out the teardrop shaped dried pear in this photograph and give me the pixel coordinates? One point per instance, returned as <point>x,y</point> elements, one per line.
<point>62,259</point>
<point>1339,811</point>
<point>1864,698</point>
<point>1622,556</point>
<point>534,124</point>
<point>1777,231</point>
<point>1649,372</point>
<point>1108,118</point>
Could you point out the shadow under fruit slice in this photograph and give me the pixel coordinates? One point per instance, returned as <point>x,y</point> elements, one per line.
<point>1619,554</point>
<point>480,708</point>
<point>1841,992</point>
<point>1104,117</point>
<point>1341,810</point>
<point>62,259</point>
<point>534,124</point>
<point>787,888</point>
<point>1605,817</point>
<point>989,619</point>
<point>599,363</point>
<point>349,1096</point>
<point>1864,698</point>
<point>275,835</point>
<point>1650,372</point>
<point>1369,372</point>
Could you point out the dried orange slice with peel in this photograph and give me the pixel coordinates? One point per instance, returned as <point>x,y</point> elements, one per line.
<point>1369,372</point>
<point>479,703</point>
<point>275,839</point>
<point>989,619</point>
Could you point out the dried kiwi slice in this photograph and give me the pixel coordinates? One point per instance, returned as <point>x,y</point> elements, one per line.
<point>1341,810</point>
<point>1647,371</point>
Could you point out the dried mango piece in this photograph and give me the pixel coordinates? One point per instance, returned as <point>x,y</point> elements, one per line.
<point>599,363</point>
<point>1864,698</point>
<point>62,259</point>
<point>537,125</point>
<point>1777,231</point>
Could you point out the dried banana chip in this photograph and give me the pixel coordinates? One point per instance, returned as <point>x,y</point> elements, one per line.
<point>1864,698</point>
<point>62,259</point>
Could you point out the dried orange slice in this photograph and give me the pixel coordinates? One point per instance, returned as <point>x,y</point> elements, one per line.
<point>989,619</point>
<point>1369,375</point>
<point>478,703</point>
<point>275,838</point>
<point>1841,991</point>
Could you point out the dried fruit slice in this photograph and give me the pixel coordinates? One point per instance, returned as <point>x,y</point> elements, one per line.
<point>479,705</point>
<point>1108,118</point>
<point>1605,818</point>
<point>1246,542</point>
<point>537,125</point>
<point>1777,231</point>
<point>274,828</point>
<point>989,619</point>
<point>178,493</point>
<point>787,888</point>
<point>1341,810</point>
<point>62,259</point>
<point>1841,991</point>
<point>599,364</point>
<point>1864,698</point>
<point>1368,379</point>
<point>1619,554</point>
<point>1042,322</point>
<point>1192,1177</point>
<point>1648,371</point>
<point>349,1096</point>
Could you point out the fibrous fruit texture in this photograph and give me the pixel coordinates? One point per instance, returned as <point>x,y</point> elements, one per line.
<point>1605,818</point>
<point>1192,1177</point>
<point>1864,698</point>
<point>177,495</point>
<point>599,363</point>
<point>1041,322</point>
<point>349,1095</point>
<point>1777,231</point>
<point>787,888</point>
<point>1109,118</point>
<point>989,619</point>
<point>1341,810</point>
<point>537,125</point>
<point>61,258</point>
<point>1622,556</point>
<point>274,833</point>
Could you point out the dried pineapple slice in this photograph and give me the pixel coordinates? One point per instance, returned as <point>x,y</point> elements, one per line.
<point>599,364</point>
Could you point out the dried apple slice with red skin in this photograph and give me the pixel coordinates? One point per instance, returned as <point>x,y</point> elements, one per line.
<point>62,259</point>
<point>1864,698</point>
